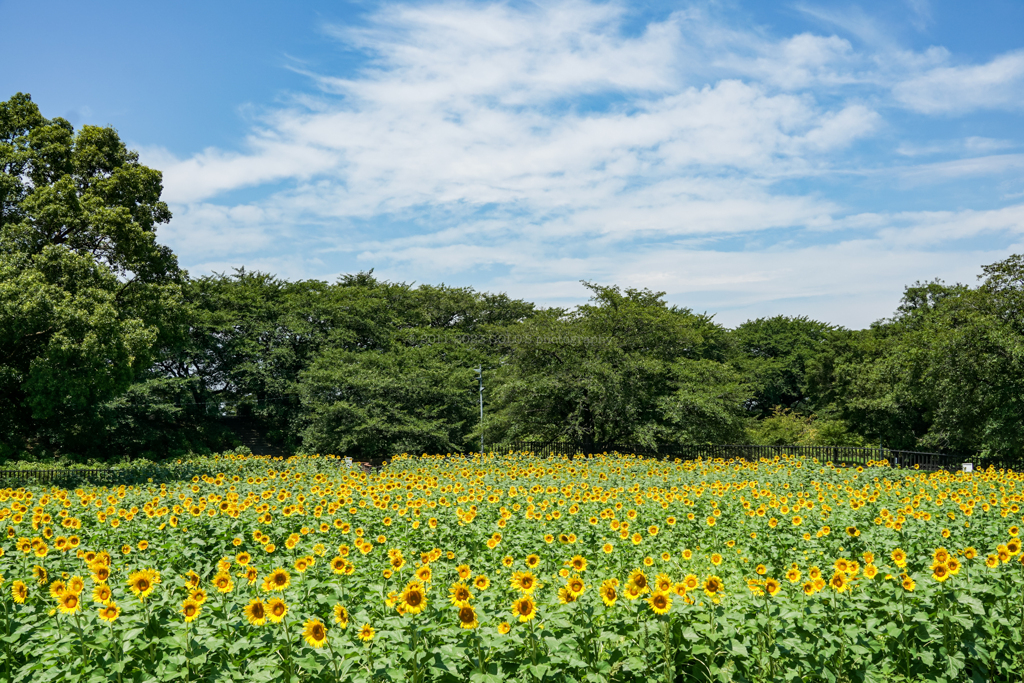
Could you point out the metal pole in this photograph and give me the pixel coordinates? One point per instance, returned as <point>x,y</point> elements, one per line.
<point>480,376</point>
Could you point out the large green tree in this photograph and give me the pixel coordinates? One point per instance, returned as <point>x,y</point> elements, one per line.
<point>772,355</point>
<point>625,368</point>
<point>946,372</point>
<point>87,295</point>
<point>397,374</point>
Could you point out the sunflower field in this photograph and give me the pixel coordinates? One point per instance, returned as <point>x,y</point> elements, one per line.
<point>516,567</point>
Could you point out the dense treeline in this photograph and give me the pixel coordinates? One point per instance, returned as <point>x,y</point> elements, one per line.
<point>109,350</point>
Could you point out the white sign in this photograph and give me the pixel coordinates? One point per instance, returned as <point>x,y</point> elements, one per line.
<point>968,466</point>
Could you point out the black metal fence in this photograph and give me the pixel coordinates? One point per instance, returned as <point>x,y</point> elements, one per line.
<point>61,477</point>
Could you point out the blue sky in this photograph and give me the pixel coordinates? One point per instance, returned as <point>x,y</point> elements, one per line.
<point>747,158</point>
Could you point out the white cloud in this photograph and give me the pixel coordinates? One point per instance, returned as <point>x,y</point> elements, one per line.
<point>958,89</point>
<point>537,146</point>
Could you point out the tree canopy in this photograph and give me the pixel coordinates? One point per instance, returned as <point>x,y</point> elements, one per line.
<point>87,296</point>
<point>109,350</point>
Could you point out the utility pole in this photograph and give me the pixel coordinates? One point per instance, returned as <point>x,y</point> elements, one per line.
<point>480,377</point>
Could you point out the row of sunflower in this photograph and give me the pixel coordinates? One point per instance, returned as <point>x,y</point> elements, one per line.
<point>517,567</point>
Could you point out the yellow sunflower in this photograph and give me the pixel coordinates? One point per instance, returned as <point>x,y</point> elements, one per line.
<point>101,593</point>
<point>314,633</point>
<point>57,589</point>
<point>660,602</point>
<point>608,593</point>
<point>191,609</point>
<point>467,617</point>
<point>575,586</point>
<point>70,603</point>
<point>143,583</point>
<point>525,582</point>
<point>76,585</point>
<point>223,583</point>
<point>524,608</point>
<point>713,586</point>
<point>256,612</point>
<point>639,579</point>
<point>413,599</point>
<point>109,612</point>
<point>276,609</point>
<point>341,616</point>
<point>19,591</point>
<point>277,580</point>
<point>460,594</point>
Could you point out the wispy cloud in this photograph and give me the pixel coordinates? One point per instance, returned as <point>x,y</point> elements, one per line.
<point>958,89</point>
<point>525,148</point>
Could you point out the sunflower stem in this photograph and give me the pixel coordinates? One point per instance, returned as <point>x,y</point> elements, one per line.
<point>668,651</point>
<point>119,652</point>
<point>334,661</point>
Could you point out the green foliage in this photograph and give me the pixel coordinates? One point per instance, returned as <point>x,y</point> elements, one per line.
<point>85,290</point>
<point>108,350</point>
<point>785,428</point>
<point>375,404</point>
<point>626,368</point>
<point>945,373</point>
<point>772,354</point>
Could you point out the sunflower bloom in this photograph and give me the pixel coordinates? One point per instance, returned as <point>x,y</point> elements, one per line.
<point>191,609</point>
<point>70,603</point>
<point>525,582</point>
<point>143,583</point>
<point>413,599</point>
<point>223,583</point>
<point>277,580</point>
<point>660,602</point>
<point>314,633</point>
<point>575,586</point>
<point>276,609</point>
<point>460,594</point>
<point>255,612</point>
<point>524,608</point>
<point>57,589</point>
<point>109,612</point>
<point>366,633</point>
<point>713,586</point>
<point>639,579</point>
<point>608,593</point>
<point>101,593</point>
<point>341,616</point>
<point>467,617</point>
